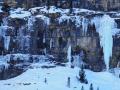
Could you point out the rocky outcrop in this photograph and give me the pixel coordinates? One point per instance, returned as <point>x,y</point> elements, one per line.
<point>52,31</point>
<point>105,5</point>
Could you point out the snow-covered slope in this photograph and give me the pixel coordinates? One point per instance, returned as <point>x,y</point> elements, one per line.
<point>33,79</point>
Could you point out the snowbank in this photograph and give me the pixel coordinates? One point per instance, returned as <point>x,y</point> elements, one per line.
<point>33,79</point>
<point>44,18</point>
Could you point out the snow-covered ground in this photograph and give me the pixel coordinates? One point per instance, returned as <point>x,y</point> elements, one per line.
<point>19,13</point>
<point>33,79</point>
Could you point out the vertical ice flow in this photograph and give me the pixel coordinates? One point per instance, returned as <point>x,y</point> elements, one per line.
<point>69,54</point>
<point>106,39</point>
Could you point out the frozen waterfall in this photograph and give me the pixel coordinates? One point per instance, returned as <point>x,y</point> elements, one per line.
<point>107,24</point>
<point>3,29</point>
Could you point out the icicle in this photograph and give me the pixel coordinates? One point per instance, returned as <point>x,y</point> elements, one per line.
<point>63,18</point>
<point>3,29</point>
<point>118,65</point>
<point>45,51</point>
<point>7,42</point>
<point>51,43</point>
<point>69,55</point>
<point>44,18</point>
<point>27,41</point>
<point>2,53</point>
<point>84,25</point>
<point>31,21</point>
<point>96,21</point>
<point>5,22</point>
<point>106,39</point>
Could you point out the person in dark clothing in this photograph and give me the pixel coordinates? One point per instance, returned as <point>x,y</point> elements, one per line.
<point>68,82</point>
<point>91,86</point>
<point>45,80</point>
<point>72,62</point>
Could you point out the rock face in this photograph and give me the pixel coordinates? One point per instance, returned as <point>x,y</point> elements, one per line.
<point>15,64</point>
<point>51,31</point>
<point>32,35</point>
<point>89,4</point>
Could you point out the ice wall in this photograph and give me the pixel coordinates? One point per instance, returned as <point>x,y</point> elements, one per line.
<point>106,40</point>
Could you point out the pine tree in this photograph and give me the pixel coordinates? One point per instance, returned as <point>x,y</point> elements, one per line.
<point>82,76</point>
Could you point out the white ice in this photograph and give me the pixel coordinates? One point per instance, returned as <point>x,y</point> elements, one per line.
<point>69,54</point>
<point>107,25</point>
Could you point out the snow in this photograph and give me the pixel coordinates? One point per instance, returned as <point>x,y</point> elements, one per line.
<point>52,9</point>
<point>117,72</point>
<point>78,61</point>
<point>19,13</point>
<point>76,19</point>
<point>44,18</point>
<point>106,39</point>
<point>4,59</point>
<point>78,10</point>
<point>63,18</point>
<point>118,14</point>
<point>25,57</point>
<point>57,79</point>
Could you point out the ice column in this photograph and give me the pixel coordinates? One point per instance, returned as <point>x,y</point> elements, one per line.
<point>107,24</point>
